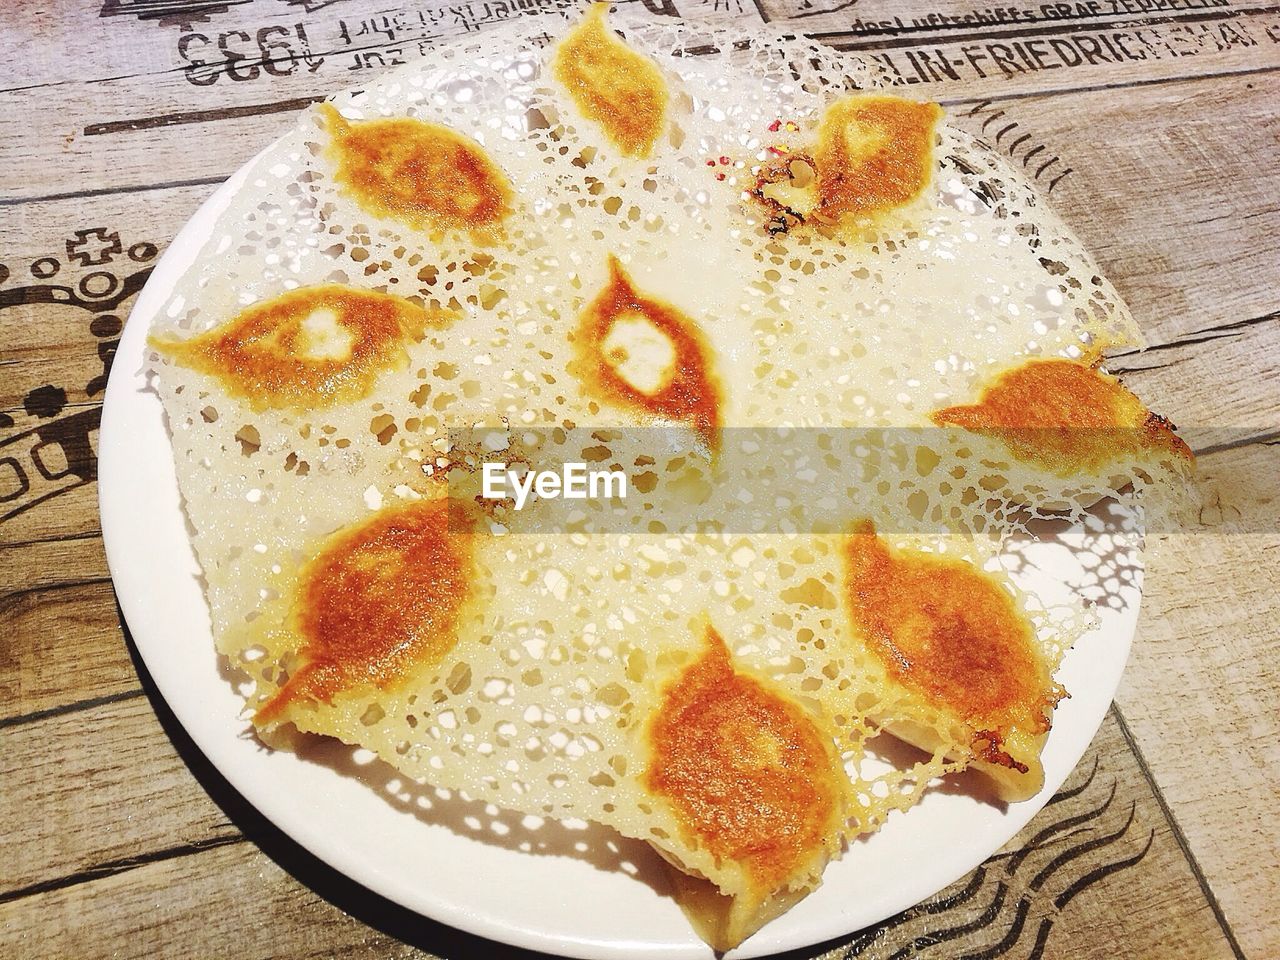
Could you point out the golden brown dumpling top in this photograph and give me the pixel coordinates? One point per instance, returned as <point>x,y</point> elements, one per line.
<point>1065,416</point>
<point>422,174</point>
<point>380,599</point>
<point>751,775</point>
<point>621,90</point>
<point>874,153</point>
<point>951,635</point>
<point>308,347</point>
<point>683,390</point>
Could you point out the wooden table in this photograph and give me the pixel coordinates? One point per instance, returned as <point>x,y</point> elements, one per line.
<point>1153,124</point>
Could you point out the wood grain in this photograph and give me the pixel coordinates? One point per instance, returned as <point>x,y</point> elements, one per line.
<point>68,277</point>
<point>1215,379</point>
<point>1153,172</point>
<point>228,901</point>
<point>1199,693</point>
<point>109,787</point>
<point>65,644</point>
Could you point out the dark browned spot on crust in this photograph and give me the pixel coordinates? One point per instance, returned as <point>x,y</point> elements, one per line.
<point>423,174</point>
<point>689,393</point>
<point>951,634</point>
<point>750,774</point>
<point>612,84</point>
<point>787,187</point>
<point>311,346</point>
<point>380,600</point>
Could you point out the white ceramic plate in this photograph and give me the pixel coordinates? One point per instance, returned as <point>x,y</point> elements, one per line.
<point>585,892</point>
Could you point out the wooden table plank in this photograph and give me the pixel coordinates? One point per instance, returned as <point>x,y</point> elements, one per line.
<point>68,277</point>
<point>1226,378</point>
<point>65,646</point>
<point>1199,693</point>
<point>1152,174</point>
<point>109,788</point>
<point>51,563</point>
<point>232,901</point>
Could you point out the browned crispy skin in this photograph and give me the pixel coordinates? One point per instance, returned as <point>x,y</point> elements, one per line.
<point>751,776</point>
<point>613,85</point>
<point>691,393</point>
<point>1065,416</point>
<point>422,174</point>
<point>268,355</point>
<point>952,635</point>
<point>379,600</point>
<point>874,153</point>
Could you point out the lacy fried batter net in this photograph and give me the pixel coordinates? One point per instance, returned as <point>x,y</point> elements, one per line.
<point>567,639</point>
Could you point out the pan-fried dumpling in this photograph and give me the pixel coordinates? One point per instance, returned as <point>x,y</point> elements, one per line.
<point>874,153</point>
<point>647,356</point>
<point>1067,418</point>
<point>421,174</point>
<point>314,346</point>
<point>756,787</point>
<point>377,603</point>
<point>612,85</point>
<point>953,639</point>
